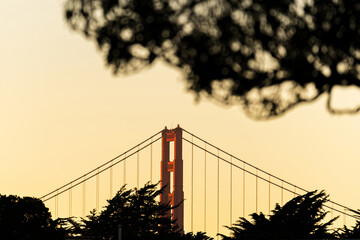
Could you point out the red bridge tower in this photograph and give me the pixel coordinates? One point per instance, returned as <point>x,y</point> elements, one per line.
<point>173,192</point>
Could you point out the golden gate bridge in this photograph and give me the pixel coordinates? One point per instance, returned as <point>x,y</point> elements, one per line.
<point>214,187</point>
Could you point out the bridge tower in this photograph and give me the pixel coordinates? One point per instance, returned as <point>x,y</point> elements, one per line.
<point>174,195</point>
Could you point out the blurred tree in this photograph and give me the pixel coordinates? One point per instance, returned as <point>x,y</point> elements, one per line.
<point>27,219</point>
<point>300,218</point>
<point>140,215</point>
<point>268,57</point>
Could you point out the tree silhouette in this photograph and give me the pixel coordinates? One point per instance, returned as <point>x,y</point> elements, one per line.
<point>138,213</point>
<point>300,218</point>
<point>351,233</point>
<point>197,236</point>
<point>27,219</point>
<point>268,57</point>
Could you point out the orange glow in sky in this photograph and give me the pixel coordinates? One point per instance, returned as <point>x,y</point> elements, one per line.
<point>62,113</point>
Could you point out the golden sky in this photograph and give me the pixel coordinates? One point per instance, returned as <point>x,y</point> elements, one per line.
<point>62,113</point>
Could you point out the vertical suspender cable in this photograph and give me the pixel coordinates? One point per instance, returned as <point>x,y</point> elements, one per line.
<point>97,191</point>
<point>282,193</point>
<point>230,224</point>
<point>124,174</point>
<point>111,179</point>
<point>56,205</point>
<point>137,169</point>
<point>192,183</point>
<point>294,191</point>
<point>84,197</point>
<point>269,193</point>
<point>70,201</point>
<point>205,191</point>
<point>151,161</point>
<point>344,223</point>
<point>218,193</point>
<point>244,190</point>
<point>256,192</point>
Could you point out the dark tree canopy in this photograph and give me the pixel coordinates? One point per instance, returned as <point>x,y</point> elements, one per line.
<point>140,215</point>
<point>300,218</point>
<point>350,233</point>
<point>136,210</point>
<point>27,218</point>
<point>268,56</point>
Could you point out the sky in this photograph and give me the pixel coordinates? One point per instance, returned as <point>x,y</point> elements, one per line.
<point>63,112</point>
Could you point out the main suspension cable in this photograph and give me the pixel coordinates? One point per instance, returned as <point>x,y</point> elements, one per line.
<point>268,181</point>
<point>108,162</point>
<point>95,174</point>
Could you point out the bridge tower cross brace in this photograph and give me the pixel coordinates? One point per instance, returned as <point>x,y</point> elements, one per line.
<point>176,196</point>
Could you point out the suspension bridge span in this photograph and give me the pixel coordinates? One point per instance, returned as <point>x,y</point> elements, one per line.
<point>214,186</point>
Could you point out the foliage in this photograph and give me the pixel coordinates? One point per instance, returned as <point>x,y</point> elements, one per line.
<point>27,218</point>
<point>140,215</point>
<point>197,236</point>
<point>300,218</point>
<point>269,57</point>
<point>351,233</point>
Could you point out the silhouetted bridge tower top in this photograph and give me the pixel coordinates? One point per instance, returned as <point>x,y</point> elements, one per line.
<point>222,188</point>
